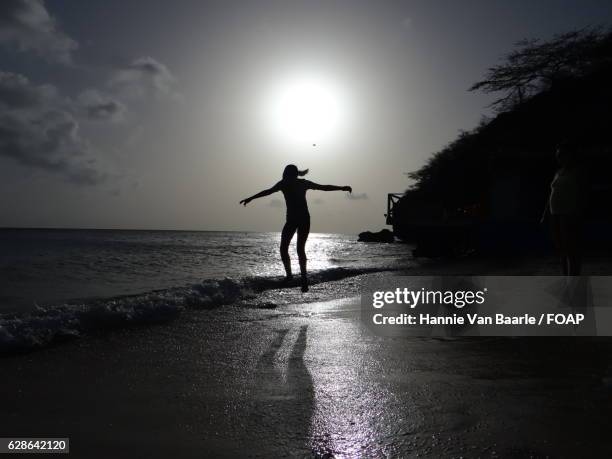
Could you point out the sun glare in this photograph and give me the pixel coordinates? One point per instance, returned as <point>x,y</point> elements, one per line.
<point>306,110</point>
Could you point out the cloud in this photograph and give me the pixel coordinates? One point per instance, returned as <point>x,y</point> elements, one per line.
<point>357,196</point>
<point>38,130</point>
<point>50,142</point>
<point>97,106</point>
<point>28,25</point>
<point>16,92</point>
<point>143,77</point>
<point>277,203</point>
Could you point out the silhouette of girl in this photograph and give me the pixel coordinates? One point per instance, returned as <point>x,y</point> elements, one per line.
<point>565,207</point>
<point>298,218</point>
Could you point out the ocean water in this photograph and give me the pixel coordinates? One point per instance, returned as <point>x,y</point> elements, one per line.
<point>57,283</point>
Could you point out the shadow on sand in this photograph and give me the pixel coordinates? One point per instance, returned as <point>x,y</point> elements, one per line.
<point>282,401</point>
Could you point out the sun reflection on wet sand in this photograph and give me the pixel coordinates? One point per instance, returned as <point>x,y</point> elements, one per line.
<point>351,415</point>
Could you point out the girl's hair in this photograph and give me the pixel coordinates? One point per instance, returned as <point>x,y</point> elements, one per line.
<point>291,171</point>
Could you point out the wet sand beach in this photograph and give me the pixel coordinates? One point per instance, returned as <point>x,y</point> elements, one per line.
<point>309,380</point>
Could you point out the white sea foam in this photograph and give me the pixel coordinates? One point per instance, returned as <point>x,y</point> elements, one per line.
<point>22,332</point>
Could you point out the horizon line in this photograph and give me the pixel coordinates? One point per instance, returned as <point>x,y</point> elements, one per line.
<point>57,228</point>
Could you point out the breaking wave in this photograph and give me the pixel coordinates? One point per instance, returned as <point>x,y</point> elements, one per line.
<point>47,325</point>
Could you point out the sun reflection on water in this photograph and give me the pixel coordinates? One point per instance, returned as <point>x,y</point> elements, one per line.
<point>325,251</point>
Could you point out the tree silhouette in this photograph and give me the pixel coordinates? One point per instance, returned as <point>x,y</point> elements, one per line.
<point>536,65</point>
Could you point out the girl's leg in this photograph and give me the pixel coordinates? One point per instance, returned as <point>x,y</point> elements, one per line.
<point>286,236</point>
<point>303,230</point>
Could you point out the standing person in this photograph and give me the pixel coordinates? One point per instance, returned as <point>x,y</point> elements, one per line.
<point>565,208</point>
<point>298,218</point>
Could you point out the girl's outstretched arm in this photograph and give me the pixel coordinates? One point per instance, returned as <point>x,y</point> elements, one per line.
<point>316,186</point>
<point>261,194</point>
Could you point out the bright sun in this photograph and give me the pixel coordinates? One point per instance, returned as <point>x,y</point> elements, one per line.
<point>306,110</point>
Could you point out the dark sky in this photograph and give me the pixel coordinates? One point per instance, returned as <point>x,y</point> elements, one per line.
<point>157,114</point>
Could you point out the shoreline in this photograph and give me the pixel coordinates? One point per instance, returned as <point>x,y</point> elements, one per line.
<point>166,305</point>
<point>308,379</point>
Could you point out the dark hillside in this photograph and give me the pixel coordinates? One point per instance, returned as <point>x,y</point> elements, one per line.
<point>500,172</point>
